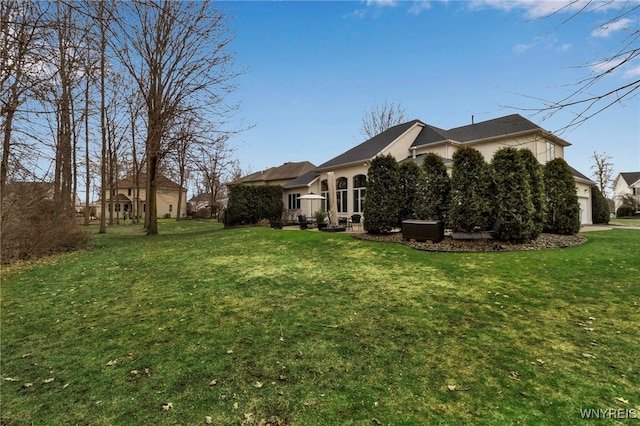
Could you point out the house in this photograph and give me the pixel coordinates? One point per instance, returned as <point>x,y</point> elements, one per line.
<point>295,178</point>
<point>626,185</point>
<point>129,198</point>
<point>414,139</point>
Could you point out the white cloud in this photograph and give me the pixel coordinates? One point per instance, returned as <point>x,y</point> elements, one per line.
<point>633,72</point>
<point>534,8</point>
<point>564,48</point>
<point>608,29</point>
<point>419,6</point>
<point>382,3</point>
<point>521,48</point>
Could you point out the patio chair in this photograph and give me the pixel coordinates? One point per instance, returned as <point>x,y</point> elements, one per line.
<point>302,220</point>
<point>356,219</point>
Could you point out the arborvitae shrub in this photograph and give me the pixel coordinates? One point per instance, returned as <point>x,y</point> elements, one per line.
<point>599,206</point>
<point>563,210</point>
<point>513,204</point>
<point>381,205</point>
<point>411,191</point>
<point>437,188</point>
<point>536,184</point>
<point>471,206</point>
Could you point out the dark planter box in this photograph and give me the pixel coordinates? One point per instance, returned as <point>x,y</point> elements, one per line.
<point>423,230</point>
<point>276,225</point>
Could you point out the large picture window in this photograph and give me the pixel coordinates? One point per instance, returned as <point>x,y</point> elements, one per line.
<point>359,190</point>
<point>324,191</point>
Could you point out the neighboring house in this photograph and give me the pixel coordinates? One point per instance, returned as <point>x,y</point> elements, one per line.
<point>293,177</point>
<point>626,184</point>
<point>414,139</point>
<point>125,195</point>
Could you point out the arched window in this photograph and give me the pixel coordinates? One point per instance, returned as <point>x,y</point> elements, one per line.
<point>359,190</point>
<point>341,194</point>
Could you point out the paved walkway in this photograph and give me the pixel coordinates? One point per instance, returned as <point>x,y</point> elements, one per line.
<point>589,228</point>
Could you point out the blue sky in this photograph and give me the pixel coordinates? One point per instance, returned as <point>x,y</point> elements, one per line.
<point>313,68</point>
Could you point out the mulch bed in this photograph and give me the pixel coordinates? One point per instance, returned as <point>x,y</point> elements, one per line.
<point>544,241</point>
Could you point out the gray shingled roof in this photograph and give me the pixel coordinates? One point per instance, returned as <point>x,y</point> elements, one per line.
<point>630,177</point>
<point>369,148</point>
<point>577,174</point>
<point>286,171</point>
<point>510,124</point>
<point>303,180</point>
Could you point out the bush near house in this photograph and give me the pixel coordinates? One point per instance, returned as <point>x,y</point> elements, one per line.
<point>513,200</point>
<point>625,211</point>
<point>410,184</point>
<point>471,207</point>
<point>381,205</point>
<point>437,188</point>
<point>249,204</point>
<point>536,185</point>
<point>563,210</point>
<point>599,206</point>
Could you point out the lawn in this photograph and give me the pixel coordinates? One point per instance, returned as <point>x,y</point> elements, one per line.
<point>247,326</point>
<point>625,221</point>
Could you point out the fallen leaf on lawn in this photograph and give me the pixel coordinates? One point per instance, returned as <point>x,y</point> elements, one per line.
<point>66,385</point>
<point>230,351</point>
<point>514,375</point>
<point>624,401</point>
<point>213,382</point>
<point>589,356</point>
<point>112,362</point>
<point>27,385</point>
<point>451,387</point>
<point>208,420</point>
<point>167,406</point>
<point>588,328</point>
<point>235,405</point>
<point>134,372</point>
<point>49,380</point>
<point>258,384</point>
<point>10,379</point>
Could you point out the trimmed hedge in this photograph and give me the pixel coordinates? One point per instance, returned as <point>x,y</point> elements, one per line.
<point>437,189</point>
<point>513,201</point>
<point>250,204</point>
<point>599,206</point>
<point>410,187</point>
<point>381,205</point>
<point>563,210</point>
<point>471,183</point>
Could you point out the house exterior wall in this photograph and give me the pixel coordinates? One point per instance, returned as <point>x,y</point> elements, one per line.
<point>166,202</point>
<point>621,188</point>
<point>400,149</point>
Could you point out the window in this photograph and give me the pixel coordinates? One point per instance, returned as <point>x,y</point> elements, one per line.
<point>294,201</point>
<point>170,208</point>
<point>359,190</point>
<point>341,194</point>
<point>324,191</point>
<point>551,151</point>
<point>129,192</point>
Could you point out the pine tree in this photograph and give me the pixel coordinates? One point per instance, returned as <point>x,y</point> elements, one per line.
<point>410,190</point>
<point>536,184</point>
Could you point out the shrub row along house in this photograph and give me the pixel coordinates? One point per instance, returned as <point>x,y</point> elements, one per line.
<point>412,141</point>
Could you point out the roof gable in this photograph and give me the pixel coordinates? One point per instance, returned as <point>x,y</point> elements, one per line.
<point>371,147</point>
<point>161,182</point>
<point>631,177</point>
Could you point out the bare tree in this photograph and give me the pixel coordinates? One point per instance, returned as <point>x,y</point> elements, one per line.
<point>21,31</point>
<point>594,93</point>
<point>602,168</point>
<point>216,167</point>
<point>381,117</point>
<point>177,54</point>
